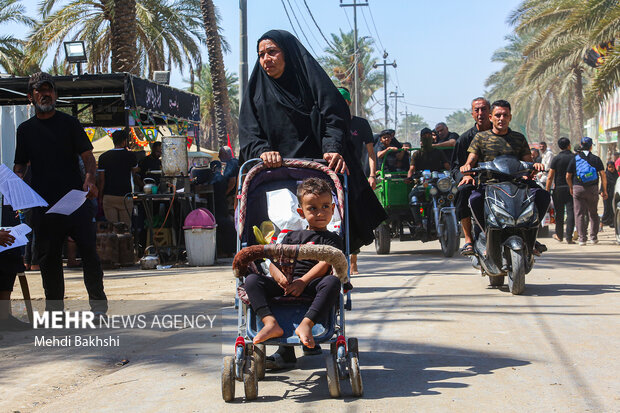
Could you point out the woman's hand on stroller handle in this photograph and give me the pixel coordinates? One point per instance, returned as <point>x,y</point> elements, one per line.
<point>336,162</point>
<point>272,159</point>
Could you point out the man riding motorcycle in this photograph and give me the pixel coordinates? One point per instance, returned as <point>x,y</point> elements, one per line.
<point>428,158</point>
<point>488,145</point>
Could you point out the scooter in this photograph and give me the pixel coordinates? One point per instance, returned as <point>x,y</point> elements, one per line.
<point>511,222</point>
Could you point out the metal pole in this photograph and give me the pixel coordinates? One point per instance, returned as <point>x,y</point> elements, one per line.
<point>396,96</point>
<point>385,93</point>
<point>356,81</point>
<point>243,49</point>
<point>356,94</point>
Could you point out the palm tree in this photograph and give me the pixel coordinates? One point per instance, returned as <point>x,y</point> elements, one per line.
<point>339,65</point>
<point>11,47</point>
<point>204,88</point>
<point>166,33</point>
<point>223,122</point>
<point>409,127</point>
<point>123,36</point>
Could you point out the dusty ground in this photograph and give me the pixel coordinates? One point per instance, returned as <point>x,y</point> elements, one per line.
<point>433,337</point>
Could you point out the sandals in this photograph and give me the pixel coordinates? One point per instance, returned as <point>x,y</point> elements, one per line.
<point>467,250</point>
<point>277,362</point>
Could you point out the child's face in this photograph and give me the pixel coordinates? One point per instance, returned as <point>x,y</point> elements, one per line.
<point>317,210</point>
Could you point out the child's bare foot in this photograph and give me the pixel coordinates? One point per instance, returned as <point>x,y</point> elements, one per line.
<point>271,329</point>
<point>354,270</point>
<point>304,332</point>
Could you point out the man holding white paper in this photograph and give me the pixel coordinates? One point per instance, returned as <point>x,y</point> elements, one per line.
<point>51,142</point>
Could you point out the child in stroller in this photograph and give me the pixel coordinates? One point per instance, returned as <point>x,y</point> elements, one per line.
<point>309,277</point>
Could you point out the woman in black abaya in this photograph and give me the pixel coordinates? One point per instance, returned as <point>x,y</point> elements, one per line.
<point>291,109</point>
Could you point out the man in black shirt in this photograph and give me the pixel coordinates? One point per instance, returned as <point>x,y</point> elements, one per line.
<point>428,158</point>
<point>562,199</point>
<point>445,138</point>
<point>386,148</point>
<point>117,166</point>
<point>363,142</point>
<point>585,191</point>
<point>152,162</point>
<point>480,111</point>
<point>52,141</point>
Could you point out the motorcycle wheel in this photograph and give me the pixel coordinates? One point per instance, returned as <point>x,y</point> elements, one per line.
<point>516,275</point>
<point>449,239</point>
<point>496,280</point>
<point>383,237</point>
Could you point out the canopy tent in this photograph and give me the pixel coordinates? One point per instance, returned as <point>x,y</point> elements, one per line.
<point>116,99</point>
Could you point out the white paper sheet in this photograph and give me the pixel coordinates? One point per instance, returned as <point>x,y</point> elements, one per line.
<point>19,232</point>
<point>16,192</point>
<point>69,203</point>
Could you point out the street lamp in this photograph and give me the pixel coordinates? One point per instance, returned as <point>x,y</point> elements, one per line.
<point>75,52</point>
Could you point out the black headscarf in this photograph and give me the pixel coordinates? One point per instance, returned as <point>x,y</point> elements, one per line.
<point>301,114</point>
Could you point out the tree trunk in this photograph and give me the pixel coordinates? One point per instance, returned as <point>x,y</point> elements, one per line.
<point>123,36</point>
<point>223,122</point>
<point>571,118</point>
<point>578,107</point>
<point>555,116</point>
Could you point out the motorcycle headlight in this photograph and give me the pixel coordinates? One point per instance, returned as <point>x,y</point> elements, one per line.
<point>503,217</point>
<point>433,191</point>
<point>526,215</point>
<point>454,189</point>
<point>444,184</point>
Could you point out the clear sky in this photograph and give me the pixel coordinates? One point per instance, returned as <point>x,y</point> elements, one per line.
<point>443,47</point>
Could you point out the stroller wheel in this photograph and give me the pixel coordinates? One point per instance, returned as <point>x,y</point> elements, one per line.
<point>355,375</point>
<point>250,379</point>
<point>333,381</point>
<point>259,359</point>
<point>228,379</point>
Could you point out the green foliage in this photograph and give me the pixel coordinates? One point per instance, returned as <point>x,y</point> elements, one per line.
<point>169,33</point>
<point>339,63</point>
<point>409,128</point>
<point>459,121</point>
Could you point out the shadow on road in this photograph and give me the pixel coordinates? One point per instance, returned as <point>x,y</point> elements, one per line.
<point>552,290</point>
<point>418,370</point>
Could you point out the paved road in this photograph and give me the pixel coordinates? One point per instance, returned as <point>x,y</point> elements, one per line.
<point>433,337</point>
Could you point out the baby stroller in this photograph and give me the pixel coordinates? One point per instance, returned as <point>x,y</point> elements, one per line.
<point>247,365</point>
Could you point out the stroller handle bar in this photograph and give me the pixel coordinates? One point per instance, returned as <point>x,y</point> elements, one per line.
<point>327,253</point>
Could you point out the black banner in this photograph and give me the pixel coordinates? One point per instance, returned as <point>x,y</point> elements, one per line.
<point>149,96</point>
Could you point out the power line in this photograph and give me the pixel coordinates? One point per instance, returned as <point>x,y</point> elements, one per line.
<point>289,19</point>
<point>307,24</point>
<point>375,26</point>
<point>347,16</point>
<point>318,27</point>
<point>300,28</point>
<point>428,107</point>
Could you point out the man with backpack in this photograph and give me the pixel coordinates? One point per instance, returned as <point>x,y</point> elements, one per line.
<point>582,177</point>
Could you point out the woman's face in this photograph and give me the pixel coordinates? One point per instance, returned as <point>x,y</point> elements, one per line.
<point>271,58</point>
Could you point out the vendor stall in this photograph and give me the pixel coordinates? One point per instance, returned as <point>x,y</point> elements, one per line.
<point>151,112</point>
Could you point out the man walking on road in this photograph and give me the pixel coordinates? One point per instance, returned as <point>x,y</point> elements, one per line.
<point>52,141</point>
<point>582,178</point>
<point>480,111</point>
<point>562,198</point>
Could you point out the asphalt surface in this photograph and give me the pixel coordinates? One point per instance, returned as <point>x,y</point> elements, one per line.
<point>433,337</point>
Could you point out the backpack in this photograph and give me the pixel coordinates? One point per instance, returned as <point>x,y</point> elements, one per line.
<point>583,170</point>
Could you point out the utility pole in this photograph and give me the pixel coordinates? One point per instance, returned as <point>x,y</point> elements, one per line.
<point>385,93</point>
<point>406,125</point>
<point>356,81</point>
<point>396,96</point>
<point>243,49</point>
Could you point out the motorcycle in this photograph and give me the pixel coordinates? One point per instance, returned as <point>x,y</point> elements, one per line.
<point>511,223</point>
<point>431,202</point>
